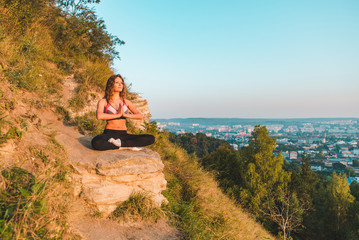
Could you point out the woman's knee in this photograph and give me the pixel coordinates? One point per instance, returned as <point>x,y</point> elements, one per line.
<point>95,143</point>
<point>151,139</point>
<point>98,143</point>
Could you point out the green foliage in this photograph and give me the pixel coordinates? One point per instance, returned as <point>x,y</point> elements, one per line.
<point>139,206</point>
<point>286,210</point>
<point>352,230</point>
<point>339,166</point>
<point>261,170</point>
<point>93,74</point>
<point>75,7</point>
<point>12,133</point>
<point>184,206</point>
<point>18,201</point>
<point>65,65</point>
<point>317,207</point>
<point>332,202</point>
<point>64,113</point>
<point>199,144</point>
<point>350,172</point>
<point>339,198</point>
<point>89,125</point>
<point>354,189</point>
<point>304,183</point>
<point>23,77</point>
<point>225,163</point>
<point>18,15</point>
<point>79,32</point>
<point>9,105</point>
<point>18,180</point>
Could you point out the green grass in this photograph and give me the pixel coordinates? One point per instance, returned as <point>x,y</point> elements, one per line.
<point>33,204</point>
<point>138,207</point>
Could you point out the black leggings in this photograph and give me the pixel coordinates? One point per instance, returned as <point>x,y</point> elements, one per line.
<point>100,142</point>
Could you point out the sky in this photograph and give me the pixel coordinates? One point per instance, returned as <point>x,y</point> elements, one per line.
<point>237,58</point>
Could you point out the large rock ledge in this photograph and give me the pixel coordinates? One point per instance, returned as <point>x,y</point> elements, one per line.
<point>107,178</point>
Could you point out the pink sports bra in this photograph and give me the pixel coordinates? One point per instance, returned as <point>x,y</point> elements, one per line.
<point>111,110</point>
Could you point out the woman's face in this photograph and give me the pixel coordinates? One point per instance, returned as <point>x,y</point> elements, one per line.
<point>118,85</point>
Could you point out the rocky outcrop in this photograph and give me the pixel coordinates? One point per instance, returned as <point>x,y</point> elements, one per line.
<point>115,175</point>
<point>107,178</point>
<point>142,106</point>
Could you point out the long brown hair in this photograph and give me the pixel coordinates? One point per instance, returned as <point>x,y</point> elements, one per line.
<point>109,87</point>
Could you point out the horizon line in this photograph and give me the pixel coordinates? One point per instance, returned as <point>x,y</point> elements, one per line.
<point>263,118</point>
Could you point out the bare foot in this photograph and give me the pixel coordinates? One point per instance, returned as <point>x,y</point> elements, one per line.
<point>116,142</point>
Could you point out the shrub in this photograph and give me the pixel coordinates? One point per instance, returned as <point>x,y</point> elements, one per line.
<point>19,203</point>
<point>139,206</point>
<point>89,125</point>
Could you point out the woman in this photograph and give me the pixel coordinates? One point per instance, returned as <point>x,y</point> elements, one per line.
<point>114,108</point>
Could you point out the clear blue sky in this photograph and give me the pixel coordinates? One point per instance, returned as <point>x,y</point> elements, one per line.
<point>233,58</point>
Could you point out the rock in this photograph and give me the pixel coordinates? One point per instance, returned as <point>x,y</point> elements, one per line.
<point>142,106</point>
<point>117,174</point>
<point>107,178</point>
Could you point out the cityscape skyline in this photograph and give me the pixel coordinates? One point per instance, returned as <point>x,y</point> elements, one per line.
<point>255,59</point>
<point>332,144</point>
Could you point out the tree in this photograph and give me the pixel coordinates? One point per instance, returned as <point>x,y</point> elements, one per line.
<point>349,171</point>
<point>338,200</point>
<point>353,216</point>
<point>225,164</point>
<point>339,166</point>
<point>304,185</point>
<point>354,189</point>
<point>261,170</point>
<point>75,7</point>
<point>79,31</point>
<point>286,210</point>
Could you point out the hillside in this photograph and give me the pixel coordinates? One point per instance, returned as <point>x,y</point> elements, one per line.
<point>37,151</point>
<point>46,79</point>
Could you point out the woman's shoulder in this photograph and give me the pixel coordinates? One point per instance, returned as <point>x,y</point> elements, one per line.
<point>127,101</point>
<point>102,101</point>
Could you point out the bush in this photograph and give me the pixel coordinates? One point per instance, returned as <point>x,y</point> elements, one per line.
<point>89,125</point>
<point>139,206</point>
<point>20,204</point>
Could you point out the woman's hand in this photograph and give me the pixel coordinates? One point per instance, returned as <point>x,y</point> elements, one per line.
<point>101,115</point>
<point>135,113</point>
<point>121,110</point>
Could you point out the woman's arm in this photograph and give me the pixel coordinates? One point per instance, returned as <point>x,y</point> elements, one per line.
<point>100,115</point>
<point>135,113</point>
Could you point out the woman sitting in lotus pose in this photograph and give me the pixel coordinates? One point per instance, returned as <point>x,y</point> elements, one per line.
<point>114,108</point>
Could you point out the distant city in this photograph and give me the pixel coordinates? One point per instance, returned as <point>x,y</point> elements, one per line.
<point>333,144</point>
